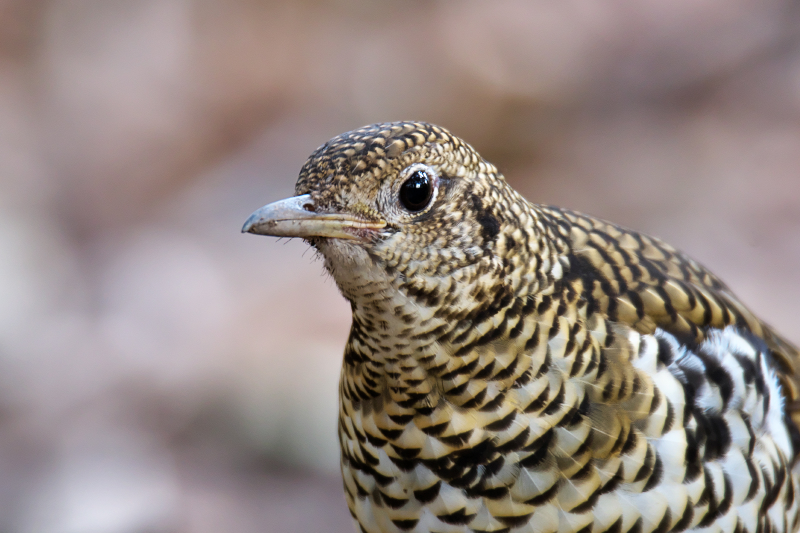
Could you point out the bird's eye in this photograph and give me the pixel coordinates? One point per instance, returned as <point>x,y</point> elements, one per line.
<point>416,191</point>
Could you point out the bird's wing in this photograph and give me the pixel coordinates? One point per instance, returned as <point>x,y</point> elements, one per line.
<point>647,284</point>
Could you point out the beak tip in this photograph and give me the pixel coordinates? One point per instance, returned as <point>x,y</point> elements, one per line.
<point>248,225</point>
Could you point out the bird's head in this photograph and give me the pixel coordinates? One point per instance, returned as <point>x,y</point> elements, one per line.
<point>406,211</point>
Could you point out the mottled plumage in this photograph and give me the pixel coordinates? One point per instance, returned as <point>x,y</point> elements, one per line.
<point>520,368</point>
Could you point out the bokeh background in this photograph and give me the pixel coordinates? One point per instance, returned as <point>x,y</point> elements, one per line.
<point>161,372</point>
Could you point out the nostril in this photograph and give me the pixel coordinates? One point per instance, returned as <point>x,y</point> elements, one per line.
<point>310,207</point>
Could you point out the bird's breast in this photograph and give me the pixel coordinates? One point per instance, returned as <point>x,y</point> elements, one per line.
<point>643,431</point>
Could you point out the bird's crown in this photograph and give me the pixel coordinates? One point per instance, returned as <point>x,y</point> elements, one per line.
<point>397,172</point>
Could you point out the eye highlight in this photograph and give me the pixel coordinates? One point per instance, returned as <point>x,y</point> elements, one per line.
<point>416,192</point>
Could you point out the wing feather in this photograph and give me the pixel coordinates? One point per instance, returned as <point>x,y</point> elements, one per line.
<point>649,284</point>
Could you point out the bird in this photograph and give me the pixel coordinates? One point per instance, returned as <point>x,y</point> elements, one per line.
<point>516,367</point>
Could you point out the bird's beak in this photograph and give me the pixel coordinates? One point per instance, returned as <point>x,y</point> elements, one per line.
<point>294,217</point>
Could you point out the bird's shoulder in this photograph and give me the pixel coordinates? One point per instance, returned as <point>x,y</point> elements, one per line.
<point>645,283</point>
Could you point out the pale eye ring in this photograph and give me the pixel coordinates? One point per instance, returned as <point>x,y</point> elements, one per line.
<point>416,192</point>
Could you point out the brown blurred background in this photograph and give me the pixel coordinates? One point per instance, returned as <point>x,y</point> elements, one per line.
<point>161,372</point>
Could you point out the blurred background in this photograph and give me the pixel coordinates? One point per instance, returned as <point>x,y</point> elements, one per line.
<point>161,372</point>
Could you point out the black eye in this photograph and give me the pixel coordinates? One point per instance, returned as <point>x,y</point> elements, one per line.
<point>417,191</point>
